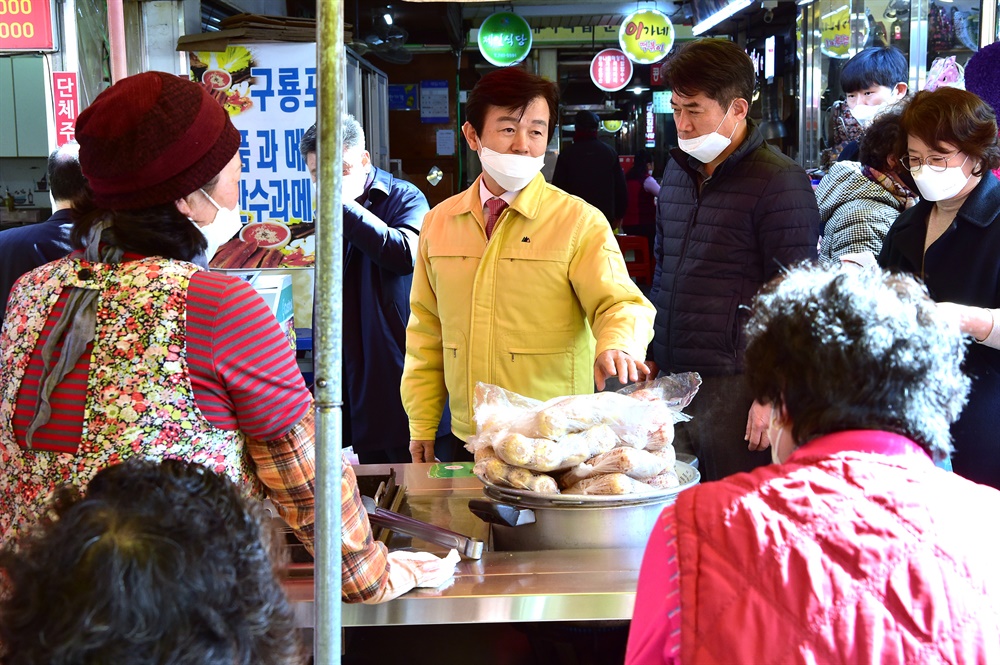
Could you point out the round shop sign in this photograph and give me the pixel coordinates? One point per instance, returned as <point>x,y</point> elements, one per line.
<point>504,39</point>
<point>646,36</point>
<point>610,70</point>
<point>612,125</point>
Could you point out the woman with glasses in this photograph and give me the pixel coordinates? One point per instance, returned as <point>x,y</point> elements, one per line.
<point>951,240</point>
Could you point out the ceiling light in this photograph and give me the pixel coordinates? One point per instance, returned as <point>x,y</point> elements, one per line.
<point>720,16</point>
<point>388,18</point>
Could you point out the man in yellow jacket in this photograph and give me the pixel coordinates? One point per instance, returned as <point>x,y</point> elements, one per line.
<point>516,282</point>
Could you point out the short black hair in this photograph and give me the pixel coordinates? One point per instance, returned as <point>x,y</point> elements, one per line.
<point>716,68</point>
<point>66,179</point>
<point>511,88</point>
<point>844,349</point>
<point>157,563</point>
<point>307,144</point>
<point>881,139</point>
<point>878,65</point>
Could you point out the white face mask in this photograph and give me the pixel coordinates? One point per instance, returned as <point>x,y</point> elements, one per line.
<point>226,224</point>
<point>707,147</point>
<point>512,172</point>
<point>940,185</point>
<point>865,113</point>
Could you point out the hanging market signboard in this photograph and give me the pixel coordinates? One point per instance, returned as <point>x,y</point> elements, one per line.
<point>646,36</point>
<point>836,29</point>
<point>504,39</point>
<point>26,25</point>
<point>610,70</point>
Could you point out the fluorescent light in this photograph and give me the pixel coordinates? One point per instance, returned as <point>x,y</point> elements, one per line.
<point>721,15</point>
<point>803,3</point>
<point>388,18</point>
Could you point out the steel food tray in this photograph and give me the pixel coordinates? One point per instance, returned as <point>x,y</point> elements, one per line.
<point>686,474</point>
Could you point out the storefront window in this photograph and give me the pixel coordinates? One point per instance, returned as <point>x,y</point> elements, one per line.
<point>830,32</point>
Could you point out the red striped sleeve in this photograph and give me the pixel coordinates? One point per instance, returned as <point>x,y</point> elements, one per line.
<point>242,369</point>
<point>241,365</point>
<point>62,432</point>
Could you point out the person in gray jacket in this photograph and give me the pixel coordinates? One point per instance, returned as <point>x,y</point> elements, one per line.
<point>732,213</point>
<point>859,201</point>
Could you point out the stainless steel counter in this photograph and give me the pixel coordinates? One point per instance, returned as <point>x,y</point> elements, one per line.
<point>553,585</point>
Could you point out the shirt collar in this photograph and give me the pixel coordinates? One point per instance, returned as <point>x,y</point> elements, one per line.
<point>485,194</point>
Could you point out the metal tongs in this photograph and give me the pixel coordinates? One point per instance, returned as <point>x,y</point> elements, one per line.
<point>471,548</point>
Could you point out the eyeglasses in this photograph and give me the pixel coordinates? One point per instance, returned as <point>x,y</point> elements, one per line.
<point>934,163</point>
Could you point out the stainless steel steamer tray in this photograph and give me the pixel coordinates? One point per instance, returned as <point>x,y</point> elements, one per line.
<point>686,474</point>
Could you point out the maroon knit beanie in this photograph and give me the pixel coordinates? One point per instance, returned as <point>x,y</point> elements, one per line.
<point>151,139</point>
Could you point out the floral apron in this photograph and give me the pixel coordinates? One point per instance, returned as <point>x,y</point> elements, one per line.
<point>140,401</point>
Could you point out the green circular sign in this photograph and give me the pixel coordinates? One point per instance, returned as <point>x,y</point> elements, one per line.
<point>504,39</point>
<point>646,36</point>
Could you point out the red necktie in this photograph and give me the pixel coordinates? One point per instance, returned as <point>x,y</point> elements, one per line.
<point>494,206</point>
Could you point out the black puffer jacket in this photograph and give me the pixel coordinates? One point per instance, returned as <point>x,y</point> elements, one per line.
<point>756,215</point>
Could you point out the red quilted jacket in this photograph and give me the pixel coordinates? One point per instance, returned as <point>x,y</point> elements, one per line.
<point>856,550</point>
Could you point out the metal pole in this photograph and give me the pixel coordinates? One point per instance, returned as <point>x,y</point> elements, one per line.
<point>327,327</point>
<point>116,39</point>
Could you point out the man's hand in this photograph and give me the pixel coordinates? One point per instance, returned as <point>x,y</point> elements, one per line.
<point>422,451</point>
<point>757,423</point>
<point>615,362</point>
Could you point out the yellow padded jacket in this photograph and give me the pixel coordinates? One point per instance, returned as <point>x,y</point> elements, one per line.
<point>527,310</point>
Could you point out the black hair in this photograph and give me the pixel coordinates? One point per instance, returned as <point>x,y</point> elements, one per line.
<point>716,68</point>
<point>879,65</point>
<point>880,140</point>
<point>307,144</point>
<point>511,88</point>
<point>157,231</point>
<point>156,563</point>
<point>640,167</point>
<point>66,179</point>
<point>844,349</point>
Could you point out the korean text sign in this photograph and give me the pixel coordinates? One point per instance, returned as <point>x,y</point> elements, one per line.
<point>25,25</point>
<point>269,91</point>
<point>66,102</point>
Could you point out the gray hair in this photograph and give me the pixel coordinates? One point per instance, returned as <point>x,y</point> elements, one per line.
<point>354,135</point>
<point>842,349</point>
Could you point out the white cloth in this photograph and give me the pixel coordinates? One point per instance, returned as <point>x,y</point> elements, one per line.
<point>408,570</point>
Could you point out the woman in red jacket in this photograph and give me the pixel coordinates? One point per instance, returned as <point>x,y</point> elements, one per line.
<point>853,546</point>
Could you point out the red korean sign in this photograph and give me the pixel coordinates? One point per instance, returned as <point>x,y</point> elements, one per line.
<point>66,99</point>
<point>26,25</point>
<point>610,70</point>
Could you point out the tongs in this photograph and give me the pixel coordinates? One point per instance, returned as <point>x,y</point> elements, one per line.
<point>471,548</point>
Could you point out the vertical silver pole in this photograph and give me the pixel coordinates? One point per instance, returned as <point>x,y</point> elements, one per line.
<point>327,326</point>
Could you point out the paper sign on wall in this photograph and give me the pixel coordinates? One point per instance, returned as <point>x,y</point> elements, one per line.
<point>434,106</point>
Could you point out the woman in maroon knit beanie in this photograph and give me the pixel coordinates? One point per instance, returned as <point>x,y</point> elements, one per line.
<point>128,348</point>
